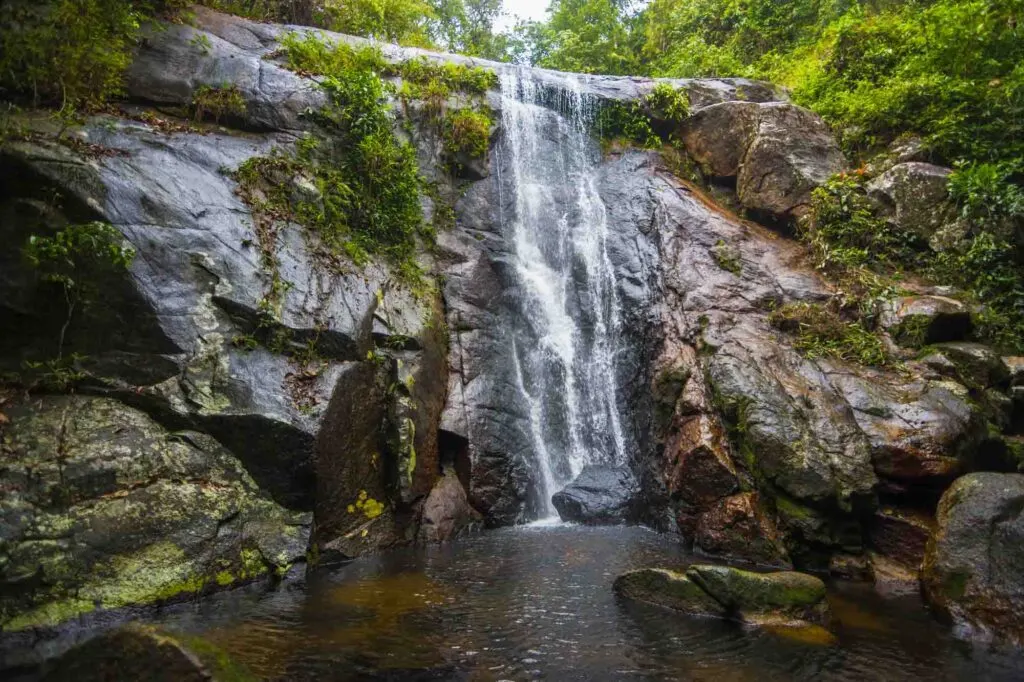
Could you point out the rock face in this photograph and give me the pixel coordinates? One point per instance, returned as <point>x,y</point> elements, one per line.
<point>914,197</point>
<point>783,597</point>
<point>738,526</point>
<point>104,508</point>
<point>599,495</point>
<point>915,321</point>
<point>137,652</point>
<point>777,153</point>
<point>975,562</point>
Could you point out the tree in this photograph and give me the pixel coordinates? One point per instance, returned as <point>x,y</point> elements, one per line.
<point>590,36</point>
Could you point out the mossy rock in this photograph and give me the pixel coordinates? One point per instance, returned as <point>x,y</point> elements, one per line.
<point>770,596</point>
<point>137,652</point>
<point>666,588</point>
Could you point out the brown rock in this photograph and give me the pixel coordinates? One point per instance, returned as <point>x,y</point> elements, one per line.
<point>717,136</point>
<point>914,321</point>
<point>447,512</point>
<point>698,470</point>
<point>737,527</point>
<point>893,579</point>
<point>792,153</point>
<point>849,566</point>
<point>974,565</point>
<point>901,535</point>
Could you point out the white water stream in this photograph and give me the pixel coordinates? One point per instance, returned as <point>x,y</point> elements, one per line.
<point>566,294</point>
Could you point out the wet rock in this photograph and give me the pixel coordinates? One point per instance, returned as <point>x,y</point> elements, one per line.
<point>447,513</point>
<point>782,595</point>
<point>669,589</point>
<point>892,578</point>
<point>915,321</point>
<point>139,652</point>
<point>918,430</point>
<point>849,566</point>
<point>792,152</point>
<point>976,365</point>
<point>717,136</point>
<point>599,495</point>
<point>698,469</point>
<point>736,526</point>
<point>901,535</point>
<point>914,197</point>
<point>974,565</point>
<point>103,508</point>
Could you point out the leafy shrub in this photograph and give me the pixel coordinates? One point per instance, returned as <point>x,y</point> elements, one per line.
<point>668,103</point>
<point>467,132</point>
<point>216,102</point>
<point>79,258</point>
<point>844,231</point>
<point>362,183</point>
<point>822,332</point>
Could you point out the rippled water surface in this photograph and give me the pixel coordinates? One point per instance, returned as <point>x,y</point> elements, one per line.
<point>536,603</point>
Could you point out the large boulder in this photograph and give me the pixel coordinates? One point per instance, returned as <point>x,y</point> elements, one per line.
<point>138,652</point>
<point>914,196</point>
<point>103,508</point>
<point>782,595</point>
<point>780,598</point>
<point>777,152</point>
<point>599,495</point>
<point>792,153</point>
<point>446,512</point>
<point>974,566</point>
<point>670,589</point>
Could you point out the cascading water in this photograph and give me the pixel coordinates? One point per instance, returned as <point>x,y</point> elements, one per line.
<point>567,307</point>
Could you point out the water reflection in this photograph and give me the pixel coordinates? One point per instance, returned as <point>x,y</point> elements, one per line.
<point>536,603</point>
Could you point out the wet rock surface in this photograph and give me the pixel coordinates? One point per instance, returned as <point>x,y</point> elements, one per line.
<point>447,512</point>
<point>104,508</point>
<point>600,495</point>
<point>914,197</point>
<point>783,597</point>
<point>137,652</point>
<point>973,565</point>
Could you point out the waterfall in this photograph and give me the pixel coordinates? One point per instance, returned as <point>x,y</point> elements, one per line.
<point>566,304</point>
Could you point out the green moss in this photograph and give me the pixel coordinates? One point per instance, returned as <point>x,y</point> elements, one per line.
<point>727,258</point>
<point>955,585</point>
<point>912,331</point>
<point>217,661</point>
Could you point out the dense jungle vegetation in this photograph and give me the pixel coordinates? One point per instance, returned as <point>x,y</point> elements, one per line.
<point>949,73</point>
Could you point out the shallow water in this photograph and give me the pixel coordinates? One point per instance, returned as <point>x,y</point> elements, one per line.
<point>536,602</point>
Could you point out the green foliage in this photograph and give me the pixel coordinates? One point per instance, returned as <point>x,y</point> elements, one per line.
<point>467,27</point>
<point>467,132</point>
<point>844,231</point>
<point>355,185</point>
<point>822,332</point>
<point>587,36</point>
<point>216,102</point>
<point>626,121</point>
<point>668,103</point>
<point>79,258</point>
<point>68,53</point>
<point>395,21</point>
<point>446,77</point>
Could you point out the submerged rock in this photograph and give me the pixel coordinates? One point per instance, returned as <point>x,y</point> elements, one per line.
<point>600,495</point>
<point>783,597</point>
<point>670,589</point>
<point>138,652</point>
<point>974,566</point>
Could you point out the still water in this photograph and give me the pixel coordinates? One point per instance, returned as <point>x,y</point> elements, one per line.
<point>536,603</point>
